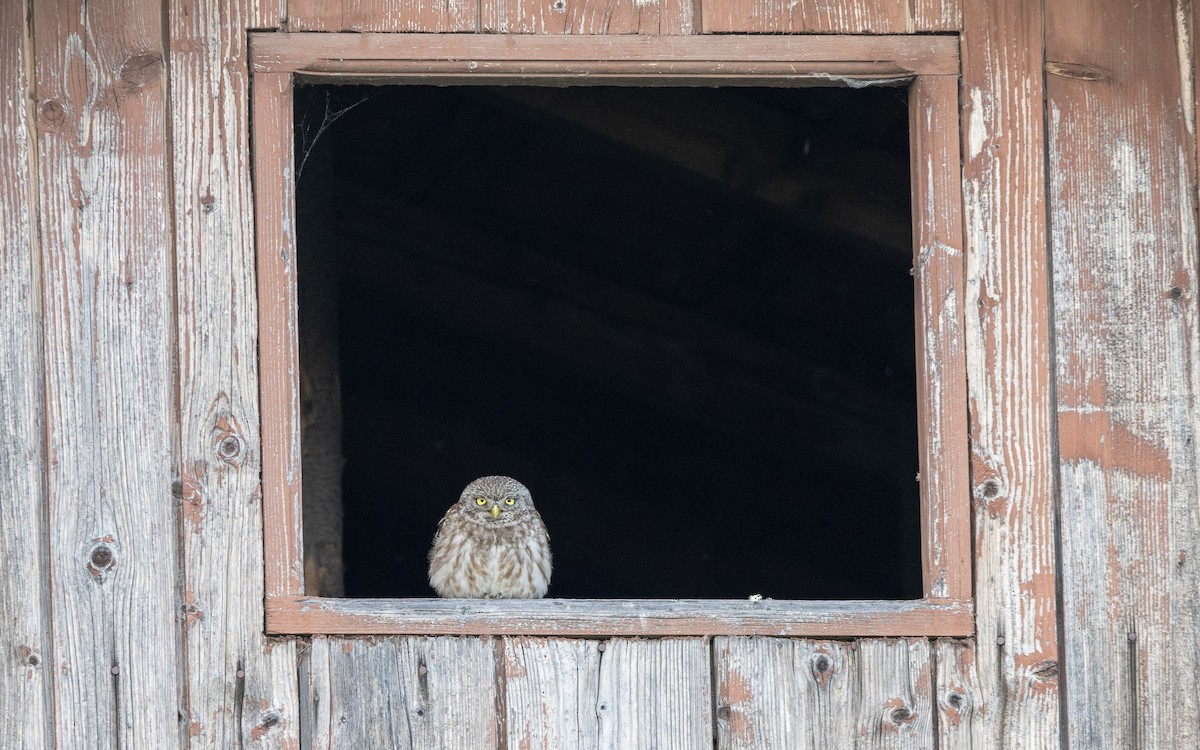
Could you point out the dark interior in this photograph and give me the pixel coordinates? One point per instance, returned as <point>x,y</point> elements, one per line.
<point>683,317</point>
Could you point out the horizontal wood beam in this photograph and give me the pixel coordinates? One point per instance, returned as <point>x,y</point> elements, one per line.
<point>827,57</point>
<point>620,617</point>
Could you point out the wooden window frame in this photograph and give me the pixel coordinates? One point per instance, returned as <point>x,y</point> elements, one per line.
<point>928,64</point>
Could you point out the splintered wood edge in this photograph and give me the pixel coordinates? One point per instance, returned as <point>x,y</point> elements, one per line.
<point>619,617</point>
<point>833,57</point>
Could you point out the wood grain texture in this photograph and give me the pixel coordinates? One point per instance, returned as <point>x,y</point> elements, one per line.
<point>1008,372</point>
<point>24,599</point>
<point>1123,191</point>
<point>960,705</point>
<point>383,15</point>
<point>835,58</point>
<point>551,689</point>
<point>607,617</point>
<point>106,279</point>
<point>239,689</point>
<point>822,17</point>
<point>621,693</point>
<point>776,693</point>
<point>401,693</point>
<point>278,331</point>
<point>660,17</point>
<point>655,694</point>
<point>938,273</point>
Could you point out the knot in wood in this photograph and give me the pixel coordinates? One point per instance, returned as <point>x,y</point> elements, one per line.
<point>140,69</point>
<point>559,6</point>
<point>208,203</point>
<point>1046,671</point>
<point>1175,293</point>
<point>901,715</point>
<point>723,713</point>
<point>989,489</point>
<point>955,701</point>
<point>53,112</point>
<point>821,664</point>
<point>270,719</point>
<point>101,559</point>
<point>230,449</point>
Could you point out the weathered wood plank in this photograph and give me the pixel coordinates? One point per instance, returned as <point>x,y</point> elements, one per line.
<point>477,54</point>
<point>1008,371</point>
<point>662,17</point>
<point>621,693</point>
<point>775,693</point>
<point>1122,212</point>
<point>551,691</point>
<point>401,693</point>
<point>960,704</point>
<point>936,15</point>
<point>239,690</point>
<point>24,599</point>
<point>107,276</point>
<point>585,617</point>
<point>655,694</point>
<point>278,351</point>
<point>783,693</point>
<point>383,15</point>
<point>817,16</point>
<point>938,272</point>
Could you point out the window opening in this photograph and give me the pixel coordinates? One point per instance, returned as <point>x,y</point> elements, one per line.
<point>683,317</point>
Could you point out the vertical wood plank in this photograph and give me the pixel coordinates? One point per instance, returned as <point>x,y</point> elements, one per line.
<point>314,15</point>
<point>1123,191</point>
<point>1008,372</point>
<point>935,15</point>
<point>959,700</point>
<point>655,694</point>
<point>938,274</point>
<point>106,264</point>
<point>278,351</point>
<point>24,604</point>
<point>660,17</point>
<point>239,690</point>
<point>785,693</point>
<point>401,693</point>
<point>552,689</point>
<point>777,693</point>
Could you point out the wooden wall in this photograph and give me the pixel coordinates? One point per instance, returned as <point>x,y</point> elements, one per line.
<point>129,454</point>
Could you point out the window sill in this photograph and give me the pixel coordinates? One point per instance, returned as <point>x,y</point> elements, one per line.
<point>620,617</point>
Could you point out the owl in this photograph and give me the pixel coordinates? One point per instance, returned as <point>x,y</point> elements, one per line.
<point>491,544</point>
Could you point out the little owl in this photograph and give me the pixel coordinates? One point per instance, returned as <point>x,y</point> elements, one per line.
<point>491,543</point>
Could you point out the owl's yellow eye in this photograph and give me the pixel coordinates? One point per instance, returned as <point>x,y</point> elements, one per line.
<point>480,501</point>
<point>509,501</point>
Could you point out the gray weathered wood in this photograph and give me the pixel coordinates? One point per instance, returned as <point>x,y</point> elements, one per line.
<point>401,693</point>
<point>774,693</point>
<point>784,693</point>
<point>1123,191</point>
<point>1008,371</point>
<point>239,689</point>
<point>551,691</point>
<point>825,57</point>
<point>25,653</point>
<point>106,279</point>
<point>620,693</point>
<point>584,617</point>
<point>895,705</point>
<point>960,704</point>
<point>655,694</point>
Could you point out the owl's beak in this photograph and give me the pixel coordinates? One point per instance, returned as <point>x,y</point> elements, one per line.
<point>495,511</point>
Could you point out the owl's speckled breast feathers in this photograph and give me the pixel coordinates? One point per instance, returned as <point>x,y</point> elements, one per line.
<point>491,544</point>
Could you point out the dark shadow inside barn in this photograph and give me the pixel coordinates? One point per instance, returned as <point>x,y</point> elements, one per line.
<point>683,317</point>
